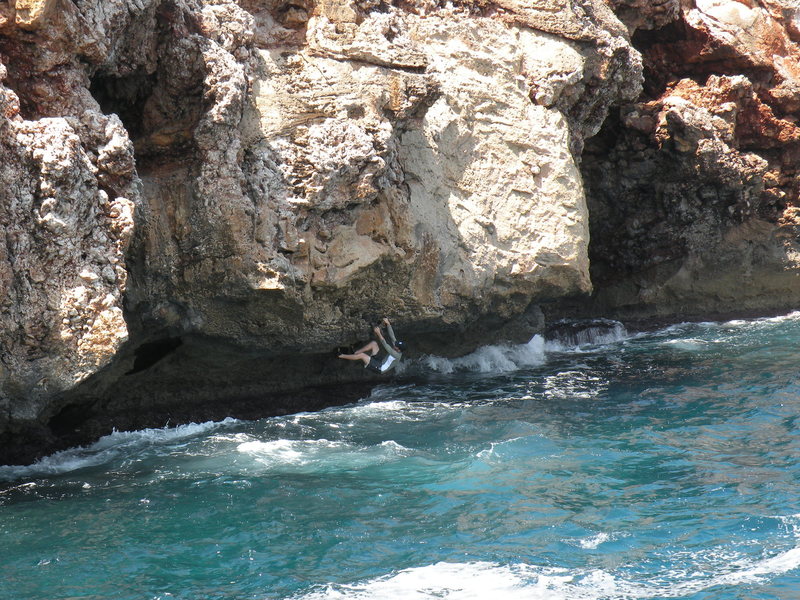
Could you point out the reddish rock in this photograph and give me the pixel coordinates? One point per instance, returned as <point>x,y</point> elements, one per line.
<point>710,151</point>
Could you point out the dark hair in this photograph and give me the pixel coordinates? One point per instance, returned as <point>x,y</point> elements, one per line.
<point>400,345</point>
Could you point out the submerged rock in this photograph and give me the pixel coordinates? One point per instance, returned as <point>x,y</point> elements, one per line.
<point>572,333</point>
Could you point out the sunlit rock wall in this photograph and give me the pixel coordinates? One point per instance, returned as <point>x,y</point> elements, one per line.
<point>202,200</point>
<point>67,194</point>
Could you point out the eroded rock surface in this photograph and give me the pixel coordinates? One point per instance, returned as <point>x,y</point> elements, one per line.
<point>693,189</point>
<point>68,188</point>
<point>202,200</point>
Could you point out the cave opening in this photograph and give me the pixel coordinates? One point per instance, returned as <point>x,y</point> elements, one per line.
<point>126,97</point>
<point>666,52</point>
<point>68,420</point>
<point>150,353</point>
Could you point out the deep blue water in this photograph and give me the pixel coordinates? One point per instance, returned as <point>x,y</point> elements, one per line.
<point>661,465</point>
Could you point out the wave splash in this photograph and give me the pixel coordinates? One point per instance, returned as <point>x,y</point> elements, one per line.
<point>308,456</point>
<point>492,359</point>
<point>480,580</point>
<point>107,448</point>
<point>559,337</point>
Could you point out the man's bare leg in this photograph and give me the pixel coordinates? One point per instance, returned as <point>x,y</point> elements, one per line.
<point>371,348</point>
<point>356,356</point>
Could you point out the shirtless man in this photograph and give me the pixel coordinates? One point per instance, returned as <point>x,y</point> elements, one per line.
<point>367,354</point>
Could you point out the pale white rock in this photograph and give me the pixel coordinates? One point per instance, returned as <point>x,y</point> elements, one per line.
<point>385,40</point>
<point>729,12</point>
<point>476,148</point>
<point>490,176</point>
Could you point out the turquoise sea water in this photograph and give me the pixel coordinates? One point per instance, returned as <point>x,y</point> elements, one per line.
<point>660,465</point>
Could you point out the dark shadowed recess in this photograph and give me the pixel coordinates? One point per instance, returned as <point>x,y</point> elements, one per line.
<point>678,51</point>
<point>181,380</point>
<point>159,119</point>
<point>649,204</point>
<point>150,353</point>
<point>174,379</point>
<point>125,97</point>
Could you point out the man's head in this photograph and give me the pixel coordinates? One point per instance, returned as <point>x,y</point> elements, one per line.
<point>400,345</point>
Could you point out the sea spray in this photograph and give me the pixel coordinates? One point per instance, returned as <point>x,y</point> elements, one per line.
<point>491,359</point>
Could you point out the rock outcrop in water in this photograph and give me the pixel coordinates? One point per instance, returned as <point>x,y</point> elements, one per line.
<point>202,200</point>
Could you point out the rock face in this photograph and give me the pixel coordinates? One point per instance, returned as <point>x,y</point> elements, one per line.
<point>201,201</point>
<point>68,188</point>
<point>693,189</point>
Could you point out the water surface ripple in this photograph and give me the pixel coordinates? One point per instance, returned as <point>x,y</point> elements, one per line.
<point>661,465</point>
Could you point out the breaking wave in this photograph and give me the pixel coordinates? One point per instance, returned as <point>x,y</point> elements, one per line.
<point>563,336</point>
<point>492,359</point>
<point>481,580</point>
<point>309,456</point>
<point>107,448</point>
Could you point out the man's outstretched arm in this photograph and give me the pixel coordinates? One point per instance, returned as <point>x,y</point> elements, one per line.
<point>385,344</point>
<point>390,331</point>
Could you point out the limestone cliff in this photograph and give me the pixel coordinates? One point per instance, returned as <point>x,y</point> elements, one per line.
<point>202,200</point>
<point>693,189</point>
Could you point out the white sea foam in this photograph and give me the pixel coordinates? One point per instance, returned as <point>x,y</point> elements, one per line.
<point>397,411</point>
<point>480,580</point>
<point>758,571</point>
<point>732,324</point>
<point>577,336</point>
<point>454,581</point>
<point>379,410</point>
<point>792,316</point>
<point>490,452</point>
<point>688,343</point>
<point>107,448</point>
<point>320,455</point>
<point>792,522</point>
<point>492,359</point>
<point>367,409</point>
<point>592,542</point>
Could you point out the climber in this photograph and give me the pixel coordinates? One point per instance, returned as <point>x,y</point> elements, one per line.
<point>368,353</point>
